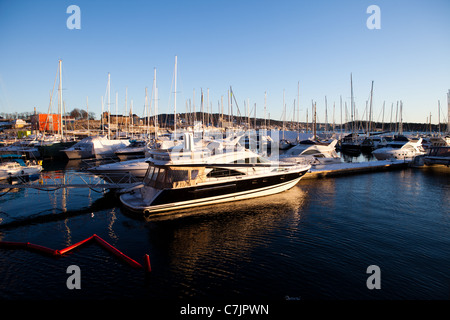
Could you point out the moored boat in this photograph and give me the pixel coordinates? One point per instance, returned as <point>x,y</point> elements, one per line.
<point>13,166</point>
<point>400,151</point>
<point>95,147</point>
<point>201,177</point>
<point>312,152</point>
<point>136,149</point>
<point>437,156</point>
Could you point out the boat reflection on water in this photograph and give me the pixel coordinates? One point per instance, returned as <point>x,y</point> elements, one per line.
<point>290,201</point>
<point>219,241</point>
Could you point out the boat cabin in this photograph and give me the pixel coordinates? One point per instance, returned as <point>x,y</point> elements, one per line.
<point>161,177</point>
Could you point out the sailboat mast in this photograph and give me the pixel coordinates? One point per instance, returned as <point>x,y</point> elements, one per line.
<point>284,113</point>
<point>307,123</point>
<point>175,102</point>
<point>351,102</point>
<point>132,118</point>
<point>207,107</point>
<point>117,114</point>
<point>60,99</point>
<point>102,117</point>
<point>87,111</point>
<point>254,123</point>
<point>156,113</point>
<point>109,105</point>
<point>448,111</point>
<point>439,117</point>
<point>326,116</point>
<point>193,107</point>
<point>221,106</point>
<point>401,118</point>
<point>155,96</point>
<point>265,105</point>
<point>430,123</point>
<point>127,118</point>
<point>298,111</point>
<point>367,119</point>
<point>146,111</point>
<point>370,107</point>
<point>340,98</point>
<point>248,114</point>
<point>390,121</point>
<point>229,105</point>
<point>202,110</point>
<point>315,119</point>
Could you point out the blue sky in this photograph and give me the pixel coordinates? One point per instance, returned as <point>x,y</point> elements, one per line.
<point>253,46</point>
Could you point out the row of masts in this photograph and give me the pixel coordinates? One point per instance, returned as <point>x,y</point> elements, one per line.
<point>151,106</point>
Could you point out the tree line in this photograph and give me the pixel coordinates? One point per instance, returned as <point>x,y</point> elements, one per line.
<point>77,114</point>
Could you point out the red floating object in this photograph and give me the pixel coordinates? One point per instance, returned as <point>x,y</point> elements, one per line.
<point>65,250</point>
<point>148,267</point>
<point>99,240</point>
<point>113,250</point>
<point>42,249</point>
<point>13,244</point>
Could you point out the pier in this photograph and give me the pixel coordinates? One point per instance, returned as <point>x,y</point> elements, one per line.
<point>344,169</point>
<point>52,187</point>
<point>68,180</point>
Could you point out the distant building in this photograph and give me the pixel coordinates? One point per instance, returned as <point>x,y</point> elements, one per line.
<point>19,123</point>
<point>46,122</point>
<point>120,119</point>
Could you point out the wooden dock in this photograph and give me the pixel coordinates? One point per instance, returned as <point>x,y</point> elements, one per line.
<point>344,169</point>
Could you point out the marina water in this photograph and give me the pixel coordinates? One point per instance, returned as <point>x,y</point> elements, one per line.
<point>314,241</point>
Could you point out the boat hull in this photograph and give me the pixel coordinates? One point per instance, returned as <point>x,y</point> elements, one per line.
<point>54,150</point>
<point>22,172</point>
<point>78,154</point>
<point>123,156</point>
<point>353,149</point>
<point>208,194</point>
<point>122,171</point>
<point>429,161</point>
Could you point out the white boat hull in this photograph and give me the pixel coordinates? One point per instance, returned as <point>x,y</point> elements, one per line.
<point>25,171</point>
<point>78,154</point>
<point>118,172</point>
<point>132,202</point>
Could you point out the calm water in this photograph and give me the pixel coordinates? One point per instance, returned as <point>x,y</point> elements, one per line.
<point>314,241</point>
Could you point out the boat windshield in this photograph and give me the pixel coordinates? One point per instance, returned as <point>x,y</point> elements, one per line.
<point>439,152</point>
<point>173,177</point>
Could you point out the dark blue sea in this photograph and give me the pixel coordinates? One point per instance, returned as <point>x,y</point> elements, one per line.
<point>313,242</point>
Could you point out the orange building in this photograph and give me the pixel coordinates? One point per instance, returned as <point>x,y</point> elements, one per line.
<point>46,122</point>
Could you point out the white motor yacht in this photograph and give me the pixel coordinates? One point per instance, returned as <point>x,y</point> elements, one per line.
<point>397,151</point>
<point>188,178</point>
<point>312,152</point>
<point>95,147</point>
<point>15,167</point>
<point>136,149</point>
